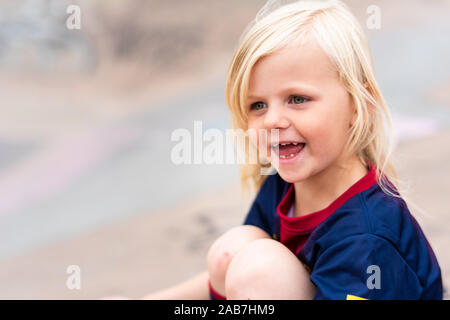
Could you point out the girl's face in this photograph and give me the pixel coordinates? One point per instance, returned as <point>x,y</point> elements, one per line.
<point>297,91</point>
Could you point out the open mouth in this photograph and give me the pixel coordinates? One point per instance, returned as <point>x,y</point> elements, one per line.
<point>288,150</point>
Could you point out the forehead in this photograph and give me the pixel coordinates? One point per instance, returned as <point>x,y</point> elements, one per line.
<point>307,64</point>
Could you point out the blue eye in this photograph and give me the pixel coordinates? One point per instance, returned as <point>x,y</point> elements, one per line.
<point>257,105</point>
<point>298,99</point>
<point>292,99</point>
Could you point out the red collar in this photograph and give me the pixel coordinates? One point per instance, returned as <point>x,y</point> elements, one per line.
<point>310,221</point>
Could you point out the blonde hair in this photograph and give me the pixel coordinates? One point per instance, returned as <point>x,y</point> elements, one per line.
<point>340,36</point>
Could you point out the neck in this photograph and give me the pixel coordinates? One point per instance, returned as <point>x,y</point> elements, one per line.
<point>320,190</point>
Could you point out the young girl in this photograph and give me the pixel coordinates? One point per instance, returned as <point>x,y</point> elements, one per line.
<point>330,224</point>
<point>339,226</point>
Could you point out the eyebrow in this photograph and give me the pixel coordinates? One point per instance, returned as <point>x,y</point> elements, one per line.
<point>296,87</point>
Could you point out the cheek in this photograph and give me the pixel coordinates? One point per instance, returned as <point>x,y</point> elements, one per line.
<point>258,134</point>
<point>253,131</point>
<point>327,133</point>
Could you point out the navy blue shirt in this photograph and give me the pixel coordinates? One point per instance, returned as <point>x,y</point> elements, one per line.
<point>365,244</point>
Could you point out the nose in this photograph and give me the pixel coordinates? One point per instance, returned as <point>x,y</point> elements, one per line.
<point>275,117</point>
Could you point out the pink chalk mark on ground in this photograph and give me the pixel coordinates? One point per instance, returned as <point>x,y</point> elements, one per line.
<point>409,128</point>
<point>54,167</point>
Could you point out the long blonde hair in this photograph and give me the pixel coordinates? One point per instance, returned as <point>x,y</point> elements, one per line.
<point>339,34</point>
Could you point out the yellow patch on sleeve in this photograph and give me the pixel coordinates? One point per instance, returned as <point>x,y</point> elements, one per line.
<point>352,297</point>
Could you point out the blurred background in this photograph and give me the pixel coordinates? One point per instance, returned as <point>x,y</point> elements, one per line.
<point>86,177</point>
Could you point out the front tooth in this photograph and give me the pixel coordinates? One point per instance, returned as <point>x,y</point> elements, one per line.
<point>283,157</point>
<point>291,155</point>
<point>295,143</point>
<point>283,144</point>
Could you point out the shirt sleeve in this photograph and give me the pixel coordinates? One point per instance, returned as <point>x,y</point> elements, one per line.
<point>364,266</point>
<point>261,213</point>
<point>256,217</point>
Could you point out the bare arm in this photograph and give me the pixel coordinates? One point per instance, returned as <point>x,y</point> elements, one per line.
<point>195,288</point>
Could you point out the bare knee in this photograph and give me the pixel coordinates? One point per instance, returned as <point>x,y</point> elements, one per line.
<point>225,248</point>
<point>266,269</point>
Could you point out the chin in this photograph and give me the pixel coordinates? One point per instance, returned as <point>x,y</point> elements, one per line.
<point>293,177</point>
